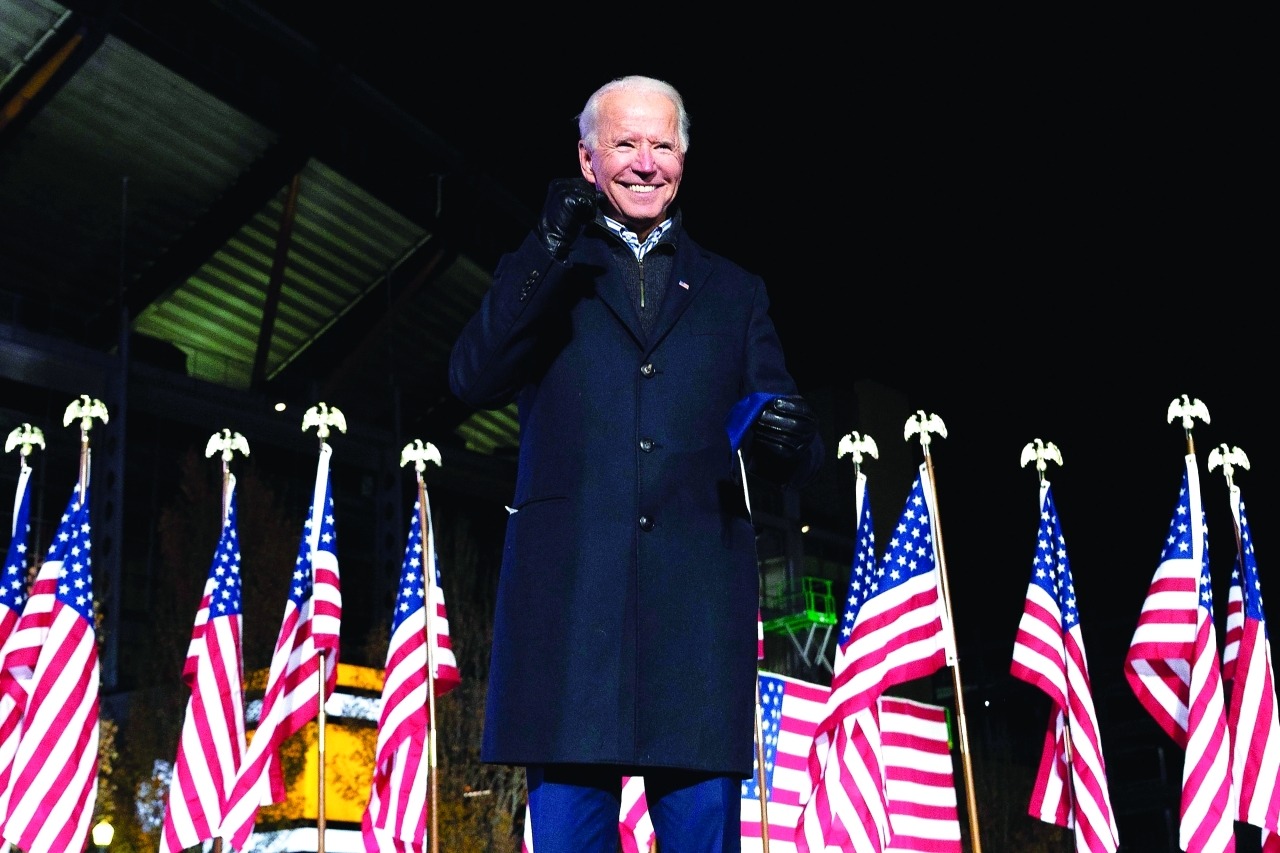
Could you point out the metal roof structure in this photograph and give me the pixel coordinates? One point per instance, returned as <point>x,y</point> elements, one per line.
<point>200,188</point>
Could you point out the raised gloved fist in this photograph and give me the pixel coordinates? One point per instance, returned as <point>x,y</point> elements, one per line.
<point>786,427</point>
<point>570,205</point>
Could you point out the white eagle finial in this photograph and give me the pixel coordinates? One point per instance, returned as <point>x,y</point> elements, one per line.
<point>322,416</point>
<point>1228,458</point>
<point>1042,452</point>
<point>1188,409</point>
<point>25,437</point>
<point>86,409</point>
<point>923,424</point>
<point>419,454</point>
<point>857,444</point>
<point>226,442</point>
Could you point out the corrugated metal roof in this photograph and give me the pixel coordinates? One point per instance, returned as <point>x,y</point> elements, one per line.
<point>339,243</point>
<point>135,176</point>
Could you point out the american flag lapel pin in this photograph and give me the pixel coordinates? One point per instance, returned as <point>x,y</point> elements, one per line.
<point>684,284</point>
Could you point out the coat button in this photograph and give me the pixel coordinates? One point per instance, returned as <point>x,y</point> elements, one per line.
<point>646,523</point>
<point>648,370</point>
<point>646,444</point>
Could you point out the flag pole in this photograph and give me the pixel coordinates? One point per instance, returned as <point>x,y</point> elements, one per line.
<point>761,777</point>
<point>420,453</point>
<point>225,443</point>
<point>924,424</point>
<point>322,416</point>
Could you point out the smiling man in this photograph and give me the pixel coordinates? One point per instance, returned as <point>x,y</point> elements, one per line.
<point>625,633</point>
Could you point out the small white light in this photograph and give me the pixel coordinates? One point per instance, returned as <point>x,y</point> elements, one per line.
<point>804,528</point>
<point>102,833</point>
<point>280,407</point>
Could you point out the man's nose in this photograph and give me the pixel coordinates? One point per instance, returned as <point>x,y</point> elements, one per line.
<point>644,161</point>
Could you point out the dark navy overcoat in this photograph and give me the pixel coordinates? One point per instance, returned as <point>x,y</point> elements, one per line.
<point>625,630</point>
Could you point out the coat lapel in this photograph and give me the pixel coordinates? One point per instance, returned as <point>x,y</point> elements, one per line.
<point>688,276</point>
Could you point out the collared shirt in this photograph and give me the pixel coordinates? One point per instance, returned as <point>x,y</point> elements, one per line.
<point>633,240</point>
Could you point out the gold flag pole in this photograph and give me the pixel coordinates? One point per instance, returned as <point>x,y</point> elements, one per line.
<point>419,454</point>
<point>322,416</point>
<point>225,443</point>
<point>761,776</point>
<point>924,424</point>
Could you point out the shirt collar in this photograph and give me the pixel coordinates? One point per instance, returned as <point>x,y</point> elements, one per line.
<point>633,240</point>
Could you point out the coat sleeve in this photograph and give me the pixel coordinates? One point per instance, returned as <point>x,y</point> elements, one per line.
<point>522,318</point>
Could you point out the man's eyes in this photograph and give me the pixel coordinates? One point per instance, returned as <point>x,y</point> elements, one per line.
<point>666,147</point>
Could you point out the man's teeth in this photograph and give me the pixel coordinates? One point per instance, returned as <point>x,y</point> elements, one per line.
<point>645,188</point>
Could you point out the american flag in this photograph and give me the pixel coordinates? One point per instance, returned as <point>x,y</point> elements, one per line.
<point>759,635</point>
<point>307,641</point>
<point>919,777</point>
<point>635,828</point>
<point>895,626</point>
<point>1253,721</point>
<point>13,597</point>
<point>1174,670</point>
<point>634,824</point>
<point>790,712</point>
<point>1071,785</point>
<point>849,807</point>
<point>13,589</point>
<point>395,817</point>
<point>52,657</point>
<point>921,784</point>
<point>212,742</point>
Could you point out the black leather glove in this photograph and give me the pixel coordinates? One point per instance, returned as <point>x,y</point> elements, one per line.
<point>786,427</point>
<point>570,205</point>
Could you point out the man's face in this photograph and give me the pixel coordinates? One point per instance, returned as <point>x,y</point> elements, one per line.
<point>637,162</point>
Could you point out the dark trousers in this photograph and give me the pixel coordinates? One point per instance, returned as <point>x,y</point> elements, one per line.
<point>574,809</point>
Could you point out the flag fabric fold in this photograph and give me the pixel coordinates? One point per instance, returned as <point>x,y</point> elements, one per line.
<point>919,777</point>
<point>634,824</point>
<point>395,817</point>
<point>1252,719</point>
<point>1174,669</point>
<point>212,742</point>
<point>635,828</point>
<point>1048,652</point>
<point>52,658</point>
<point>308,641</point>
<point>895,629</point>
<point>849,806</point>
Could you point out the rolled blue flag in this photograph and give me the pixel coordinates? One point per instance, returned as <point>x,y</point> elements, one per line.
<point>744,414</point>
